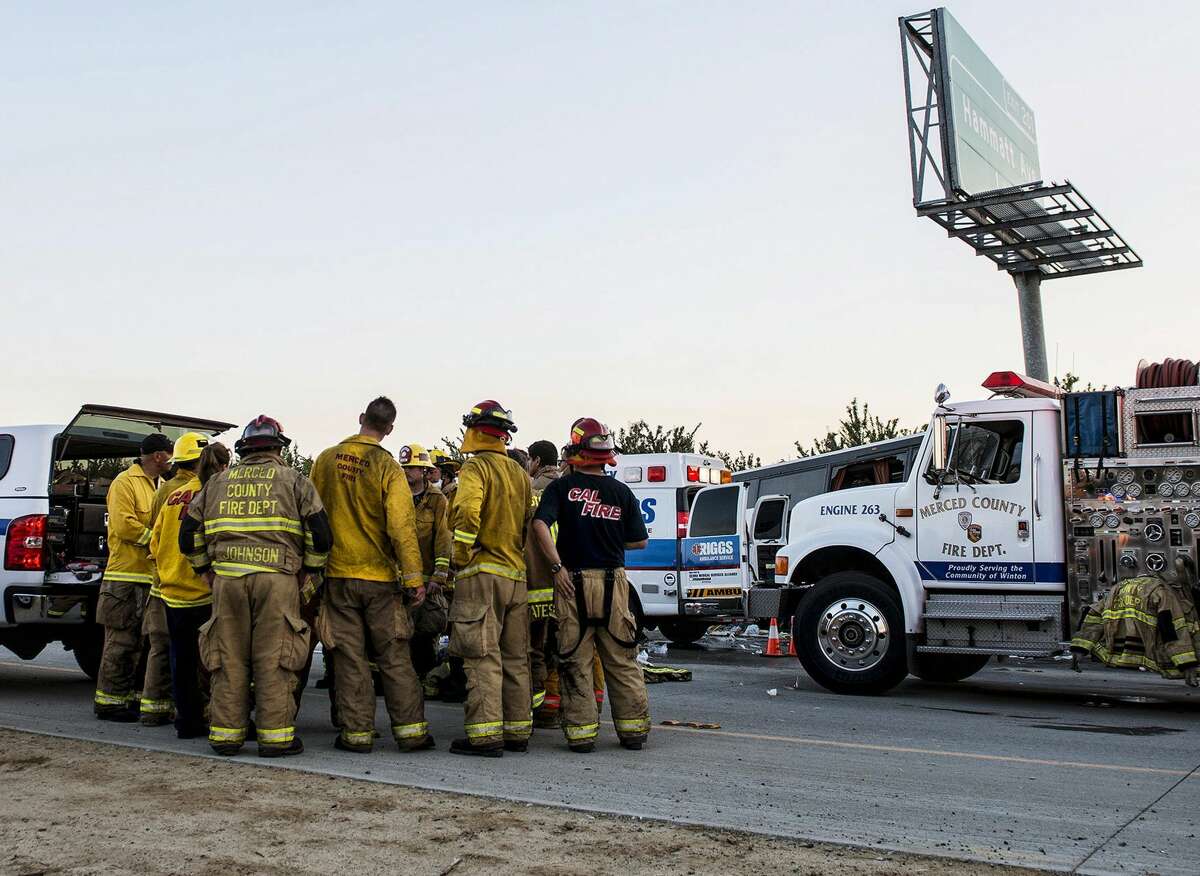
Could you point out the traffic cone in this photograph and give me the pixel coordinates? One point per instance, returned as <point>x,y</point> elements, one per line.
<point>792,640</point>
<point>773,649</point>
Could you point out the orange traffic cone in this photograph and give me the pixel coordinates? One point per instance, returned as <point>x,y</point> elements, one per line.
<point>773,649</point>
<point>792,640</point>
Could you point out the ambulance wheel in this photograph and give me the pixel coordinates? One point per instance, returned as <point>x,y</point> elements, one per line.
<point>850,635</point>
<point>682,632</point>
<point>947,667</point>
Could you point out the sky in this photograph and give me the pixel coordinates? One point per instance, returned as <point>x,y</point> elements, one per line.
<point>682,212</point>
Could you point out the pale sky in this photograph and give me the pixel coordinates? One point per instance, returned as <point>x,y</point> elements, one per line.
<point>683,212</point>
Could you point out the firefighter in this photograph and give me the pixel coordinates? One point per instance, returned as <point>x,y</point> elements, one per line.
<point>489,617</point>
<point>185,596</point>
<point>365,608</point>
<point>543,469</point>
<point>598,519</point>
<point>127,579</point>
<point>157,707</point>
<point>259,536</point>
<point>447,467</point>
<point>433,538</point>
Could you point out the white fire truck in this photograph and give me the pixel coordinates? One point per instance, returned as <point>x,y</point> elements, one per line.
<point>996,542</point>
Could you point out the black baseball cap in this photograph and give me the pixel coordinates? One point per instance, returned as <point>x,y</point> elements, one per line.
<point>155,442</point>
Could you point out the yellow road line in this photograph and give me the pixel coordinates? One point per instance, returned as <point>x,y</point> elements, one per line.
<point>933,752</point>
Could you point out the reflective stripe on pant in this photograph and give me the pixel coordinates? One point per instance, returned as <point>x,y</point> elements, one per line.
<point>360,616</point>
<point>629,703</point>
<point>119,609</point>
<point>255,633</point>
<point>489,629</point>
<point>156,688</point>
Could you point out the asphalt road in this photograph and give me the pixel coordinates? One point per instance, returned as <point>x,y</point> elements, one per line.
<point>1025,764</point>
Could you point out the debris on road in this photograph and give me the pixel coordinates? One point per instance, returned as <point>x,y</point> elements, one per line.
<point>695,725</point>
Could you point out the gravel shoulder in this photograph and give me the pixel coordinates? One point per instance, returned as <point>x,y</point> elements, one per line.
<point>82,807</point>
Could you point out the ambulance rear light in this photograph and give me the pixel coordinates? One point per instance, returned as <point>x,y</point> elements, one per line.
<point>632,474</point>
<point>681,523</point>
<point>726,476</point>
<point>656,474</point>
<point>693,474</point>
<point>1012,383</point>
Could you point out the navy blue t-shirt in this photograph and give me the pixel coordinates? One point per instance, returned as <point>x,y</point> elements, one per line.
<point>596,516</point>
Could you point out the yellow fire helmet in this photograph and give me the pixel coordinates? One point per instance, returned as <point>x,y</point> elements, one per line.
<point>415,456</point>
<point>189,447</point>
<point>441,457</point>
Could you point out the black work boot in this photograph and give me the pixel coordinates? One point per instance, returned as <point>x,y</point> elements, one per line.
<point>425,744</point>
<point>120,715</point>
<point>297,747</point>
<point>518,745</point>
<point>342,745</point>
<point>464,746</point>
<point>632,744</point>
<point>226,749</point>
<point>583,747</point>
<point>156,720</point>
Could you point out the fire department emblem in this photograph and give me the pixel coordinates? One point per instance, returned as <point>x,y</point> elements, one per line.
<point>964,519</point>
<point>974,533</point>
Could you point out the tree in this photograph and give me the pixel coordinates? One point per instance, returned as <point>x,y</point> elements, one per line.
<point>859,426</point>
<point>741,462</point>
<point>639,437</point>
<point>1069,381</point>
<point>297,460</point>
<point>452,445</point>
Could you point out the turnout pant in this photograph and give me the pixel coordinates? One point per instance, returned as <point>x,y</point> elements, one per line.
<point>598,623</point>
<point>156,688</point>
<point>255,633</point>
<point>489,630</point>
<point>189,679</point>
<point>119,609</point>
<point>356,614</point>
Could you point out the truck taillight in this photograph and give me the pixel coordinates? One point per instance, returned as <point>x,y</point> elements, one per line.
<point>25,547</point>
<point>656,474</point>
<point>681,521</point>
<point>781,565</point>
<point>693,473</point>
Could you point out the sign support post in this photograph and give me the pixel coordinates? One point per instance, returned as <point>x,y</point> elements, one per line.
<point>1033,333</point>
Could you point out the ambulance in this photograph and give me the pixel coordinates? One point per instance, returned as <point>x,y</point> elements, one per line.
<point>682,585</point>
<point>1017,513</point>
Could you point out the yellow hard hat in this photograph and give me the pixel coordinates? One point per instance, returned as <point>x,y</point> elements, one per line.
<point>415,456</point>
<point>188,447</point>
<point>441,457</point>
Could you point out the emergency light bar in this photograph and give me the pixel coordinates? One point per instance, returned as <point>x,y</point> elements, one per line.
<point>1012,383</point>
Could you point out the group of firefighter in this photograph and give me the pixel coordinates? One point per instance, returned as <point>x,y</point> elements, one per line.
<point>222,577</point>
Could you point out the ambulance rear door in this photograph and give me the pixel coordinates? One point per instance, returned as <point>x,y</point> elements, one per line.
<point>654,570</point>
<point>714,555</point>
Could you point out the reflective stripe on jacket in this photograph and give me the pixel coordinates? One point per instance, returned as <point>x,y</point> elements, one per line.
<point>130,497</point>
<point>371,513</point>
<point>492,508</point>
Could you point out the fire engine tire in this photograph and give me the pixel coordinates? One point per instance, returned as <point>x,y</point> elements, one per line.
<point>682,632</point>
<point>947,667</point>
<point>88,649</point>
<point>850,635</point>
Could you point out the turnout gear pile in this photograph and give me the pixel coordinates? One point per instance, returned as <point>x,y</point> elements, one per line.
<point>1149,623</point>
<point>490,614</point>
<point>124,591</point>
<point>257,526</point>
<point>374,566</point>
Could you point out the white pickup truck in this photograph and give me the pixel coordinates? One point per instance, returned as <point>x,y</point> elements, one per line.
<point>54,523</point>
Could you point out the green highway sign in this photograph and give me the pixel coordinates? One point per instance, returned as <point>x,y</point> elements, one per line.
<point>992,135</point>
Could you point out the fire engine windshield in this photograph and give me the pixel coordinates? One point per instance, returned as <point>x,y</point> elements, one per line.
<point>987,452</point>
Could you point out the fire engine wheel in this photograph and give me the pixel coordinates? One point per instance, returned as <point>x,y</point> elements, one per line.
<point>947,667</point>
<point>850,635</point>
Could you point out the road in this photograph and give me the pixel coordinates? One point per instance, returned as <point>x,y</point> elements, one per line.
<point>1027,764</point>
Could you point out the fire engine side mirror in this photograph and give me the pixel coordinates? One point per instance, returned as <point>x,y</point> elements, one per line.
<point>941,395</point>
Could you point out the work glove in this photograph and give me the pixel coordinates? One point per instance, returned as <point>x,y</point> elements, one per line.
<point>310,586</point>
